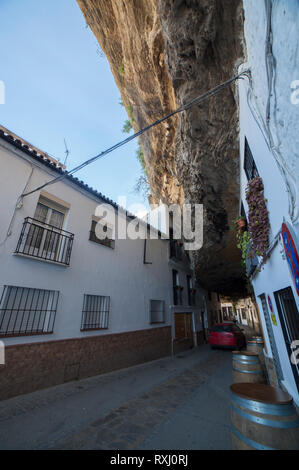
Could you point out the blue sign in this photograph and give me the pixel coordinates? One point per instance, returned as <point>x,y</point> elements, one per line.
<point>291,253</point>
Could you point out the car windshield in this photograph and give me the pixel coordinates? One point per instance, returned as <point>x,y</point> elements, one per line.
<point>227,328</point>
<point>217,328</point>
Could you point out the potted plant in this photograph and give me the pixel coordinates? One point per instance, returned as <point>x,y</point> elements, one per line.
<point>240,222</point>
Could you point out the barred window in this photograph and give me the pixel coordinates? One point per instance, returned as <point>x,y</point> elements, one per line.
<point>27,311</point>
<point>249,163</point>
<point>95,313</point>
<point>157,311</point>
<point>107,241</point>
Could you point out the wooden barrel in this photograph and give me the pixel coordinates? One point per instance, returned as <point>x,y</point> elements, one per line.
<point>247,367</point>
<point>263,418</point>
<point>255,345</point>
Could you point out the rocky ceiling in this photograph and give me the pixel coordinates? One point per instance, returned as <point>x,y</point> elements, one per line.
<point>162,54</point>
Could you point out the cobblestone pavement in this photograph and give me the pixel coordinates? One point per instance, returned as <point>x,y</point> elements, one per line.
<point>176,402</point>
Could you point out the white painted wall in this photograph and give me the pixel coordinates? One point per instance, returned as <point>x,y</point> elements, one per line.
<point>283,130</point>
<point>94,269</point>
<point>274,147</point>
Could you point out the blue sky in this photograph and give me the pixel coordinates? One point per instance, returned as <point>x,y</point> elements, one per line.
<point>59,87</point>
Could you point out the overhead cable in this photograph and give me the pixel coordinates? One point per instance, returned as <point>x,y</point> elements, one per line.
<point>195,101</point>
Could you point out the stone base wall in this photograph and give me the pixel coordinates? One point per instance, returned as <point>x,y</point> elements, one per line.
<point>33,366</point>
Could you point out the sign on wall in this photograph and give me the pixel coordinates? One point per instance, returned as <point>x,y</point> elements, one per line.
<point>273,318</point>
<point>291,252</point>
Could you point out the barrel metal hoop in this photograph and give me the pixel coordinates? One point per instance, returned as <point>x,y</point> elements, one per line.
<point>267,422</point>
<point>256,361</point>
<point>283,410</point>
<point>249,442</point>
<point>248,371</point>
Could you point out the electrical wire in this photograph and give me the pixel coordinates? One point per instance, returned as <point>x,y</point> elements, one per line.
<point>195,101</point>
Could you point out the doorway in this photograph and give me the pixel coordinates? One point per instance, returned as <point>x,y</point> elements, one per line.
<point>289,319</point>
<point>183,339</point>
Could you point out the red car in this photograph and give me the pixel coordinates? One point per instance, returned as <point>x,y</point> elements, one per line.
<point>227,335</point>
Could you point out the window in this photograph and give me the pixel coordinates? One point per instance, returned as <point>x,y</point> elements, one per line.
<point>95,313</point>
<point>249,164</point>
<point>96,228</point>
<point>217,329</point>
<point>43,237</point>
<point>176,250</point>
<point>209,295</point>
<point>177,289</point>
<point>27,311</point>
<point>191,291</point>
<point>243,312</point>
<point>157,311</point>
<point>227,328</point>
<point>225,313</point>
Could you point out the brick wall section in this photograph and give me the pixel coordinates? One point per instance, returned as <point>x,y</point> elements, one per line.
<point>29,367</point>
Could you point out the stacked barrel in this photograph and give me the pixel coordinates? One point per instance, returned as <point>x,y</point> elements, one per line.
<point>262,417</point>
<point>247,367</point>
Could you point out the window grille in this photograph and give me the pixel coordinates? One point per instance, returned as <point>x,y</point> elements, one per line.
<point>157,311</point>
<point>27,311</point>
<point>95,313</point>
<point>249,163</point>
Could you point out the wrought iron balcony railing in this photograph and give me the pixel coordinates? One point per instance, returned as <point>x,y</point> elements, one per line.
<point>46,242</point>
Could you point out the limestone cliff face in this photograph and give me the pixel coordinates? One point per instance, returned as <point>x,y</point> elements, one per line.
<point>163,53</point>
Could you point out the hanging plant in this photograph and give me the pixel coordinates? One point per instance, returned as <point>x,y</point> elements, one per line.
<point>243,243</point>
<point>258,220</point>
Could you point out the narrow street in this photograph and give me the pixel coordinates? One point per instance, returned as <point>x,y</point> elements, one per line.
<point>180,402</point>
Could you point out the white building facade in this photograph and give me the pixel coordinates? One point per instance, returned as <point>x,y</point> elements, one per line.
<point>269,143</point>
<point>73,305</point>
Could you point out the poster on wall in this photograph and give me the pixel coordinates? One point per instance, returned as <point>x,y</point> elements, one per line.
<point>273,318</point>
<point>291,253</point>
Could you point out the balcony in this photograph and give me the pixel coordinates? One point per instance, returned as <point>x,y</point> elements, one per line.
<point>45,242</point>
